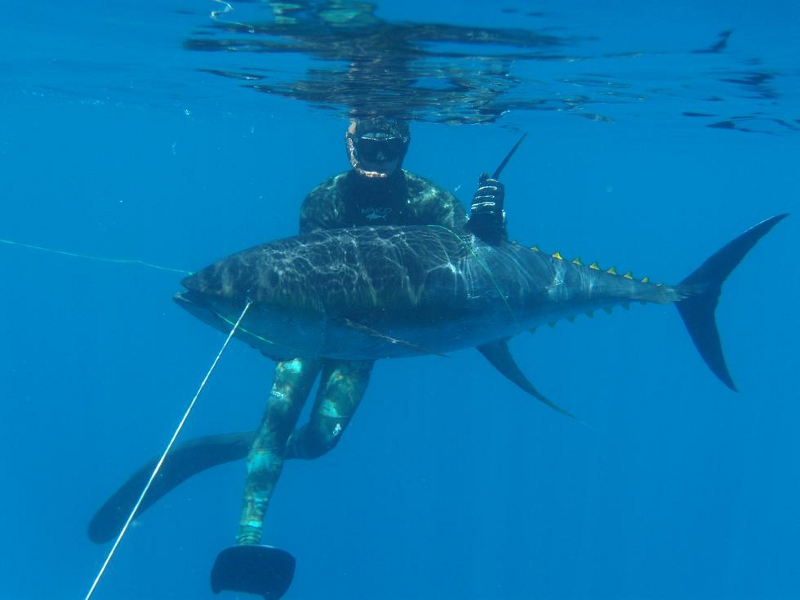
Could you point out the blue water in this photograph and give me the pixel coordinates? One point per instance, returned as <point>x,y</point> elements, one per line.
<point>450,483</point>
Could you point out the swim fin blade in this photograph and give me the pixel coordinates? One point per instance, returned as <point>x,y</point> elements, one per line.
<point>262,570</point>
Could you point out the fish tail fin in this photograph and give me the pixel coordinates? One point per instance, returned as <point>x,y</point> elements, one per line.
<point>701,292</point>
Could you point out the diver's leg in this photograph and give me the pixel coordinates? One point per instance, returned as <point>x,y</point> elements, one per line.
<point>341,387</point>
<point>290,388</point>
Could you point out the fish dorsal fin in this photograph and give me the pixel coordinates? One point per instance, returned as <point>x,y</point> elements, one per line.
<point>499,355</point>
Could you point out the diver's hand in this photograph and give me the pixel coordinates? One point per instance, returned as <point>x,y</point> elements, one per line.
<point>487,218</point>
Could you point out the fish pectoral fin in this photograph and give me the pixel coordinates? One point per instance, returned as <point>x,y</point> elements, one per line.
<point>499,355</point>
<point>391,340</point>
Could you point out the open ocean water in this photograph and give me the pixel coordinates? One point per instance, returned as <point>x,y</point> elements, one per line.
<point>178,132</point>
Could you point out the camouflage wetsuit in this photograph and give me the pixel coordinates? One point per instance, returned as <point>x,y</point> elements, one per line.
<point>346,200</point>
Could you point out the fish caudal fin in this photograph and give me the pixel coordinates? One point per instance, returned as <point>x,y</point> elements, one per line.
<point>702,289</point>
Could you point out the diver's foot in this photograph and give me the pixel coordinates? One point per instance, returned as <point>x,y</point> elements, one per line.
<point>261,570</point>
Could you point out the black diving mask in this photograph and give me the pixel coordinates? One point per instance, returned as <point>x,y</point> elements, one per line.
<point>376,148</point>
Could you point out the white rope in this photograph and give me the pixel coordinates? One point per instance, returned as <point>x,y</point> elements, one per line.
<point>119,261</point>
<point>157,468</point>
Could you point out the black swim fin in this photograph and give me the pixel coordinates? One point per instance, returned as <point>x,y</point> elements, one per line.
<point>702,289</point>
<point>185,461</point>
<point>262,570</point>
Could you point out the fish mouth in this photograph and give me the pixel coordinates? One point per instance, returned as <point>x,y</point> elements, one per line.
<point>190,299</point>
<point>198,306</point>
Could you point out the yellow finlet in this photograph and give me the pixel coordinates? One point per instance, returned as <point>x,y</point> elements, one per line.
<point>590,314</point>
<point>594,266</point>
<point>608,309</point>
<point>535,248</point>
<point>557,255</point>
<point>628,275</point>
<point>612,271</point>
<point>571,319</point>
<point>552,323</point>
<point>645,280</point>
<point>577,261</point>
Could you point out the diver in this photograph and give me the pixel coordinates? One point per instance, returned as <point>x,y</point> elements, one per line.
<point>376,191</point>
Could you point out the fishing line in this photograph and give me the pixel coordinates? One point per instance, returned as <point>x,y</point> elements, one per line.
<point>171,443</point>
<point>119,261</point>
